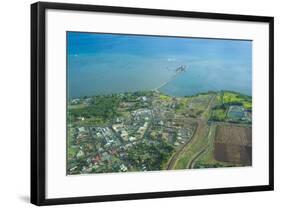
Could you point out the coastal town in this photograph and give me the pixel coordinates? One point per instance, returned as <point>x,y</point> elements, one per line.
<point>149,130</point>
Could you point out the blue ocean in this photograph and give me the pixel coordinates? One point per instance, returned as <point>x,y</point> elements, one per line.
<point>99,64</point>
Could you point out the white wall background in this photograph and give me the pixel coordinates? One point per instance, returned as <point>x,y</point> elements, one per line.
<point>15,101</point>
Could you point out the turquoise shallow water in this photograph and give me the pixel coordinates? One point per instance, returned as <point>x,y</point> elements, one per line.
<point>105,64</point>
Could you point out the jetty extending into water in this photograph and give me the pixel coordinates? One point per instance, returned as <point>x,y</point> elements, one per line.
<point>178,71</point>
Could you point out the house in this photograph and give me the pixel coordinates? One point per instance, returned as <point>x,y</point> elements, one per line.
<point>80,154</point>
<point>144,98</point>
<point>96,160</point>
<point>75,101</point>
<point>176,144</point>
<point>117,127</point>
<point>123,168</point>
<point>105,156</point>
<point>81,118</point>
<point>132,139</point>
<point>124,135</point>
<point>81,129</point>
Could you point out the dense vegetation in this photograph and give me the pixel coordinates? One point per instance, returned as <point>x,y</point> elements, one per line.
<point>218,113</point>
<point>103,106</point>
<point>151,154</point>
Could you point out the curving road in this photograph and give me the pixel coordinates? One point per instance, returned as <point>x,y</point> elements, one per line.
<point>174,158</point>
<point>198,132</point>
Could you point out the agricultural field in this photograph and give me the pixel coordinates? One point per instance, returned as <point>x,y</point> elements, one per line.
<point>146,131</point>
<point>233,144</point>
<point>149,103</point>
<point>226,146</point>
<point>207,159</point>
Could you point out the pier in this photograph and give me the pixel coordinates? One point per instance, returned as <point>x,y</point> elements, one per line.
<point>178,71</point>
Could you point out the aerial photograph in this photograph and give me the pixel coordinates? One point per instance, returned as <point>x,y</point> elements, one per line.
<point>139,103</point>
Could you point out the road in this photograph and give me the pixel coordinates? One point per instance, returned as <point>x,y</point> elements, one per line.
<point>192,162</point>
<point>197,133</point>
<point>174,158</point>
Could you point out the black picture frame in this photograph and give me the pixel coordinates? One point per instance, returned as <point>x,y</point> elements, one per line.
<point>38,100</point>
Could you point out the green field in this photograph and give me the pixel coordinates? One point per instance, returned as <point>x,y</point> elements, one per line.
<point>237,98</point>
<point>218,114</point>
<point>197,144</point>
<point>143,131</point>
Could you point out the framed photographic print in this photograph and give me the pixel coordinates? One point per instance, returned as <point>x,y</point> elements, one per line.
<point>134,103</point>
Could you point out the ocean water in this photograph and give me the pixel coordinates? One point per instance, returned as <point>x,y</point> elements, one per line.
<point>100,64</point>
